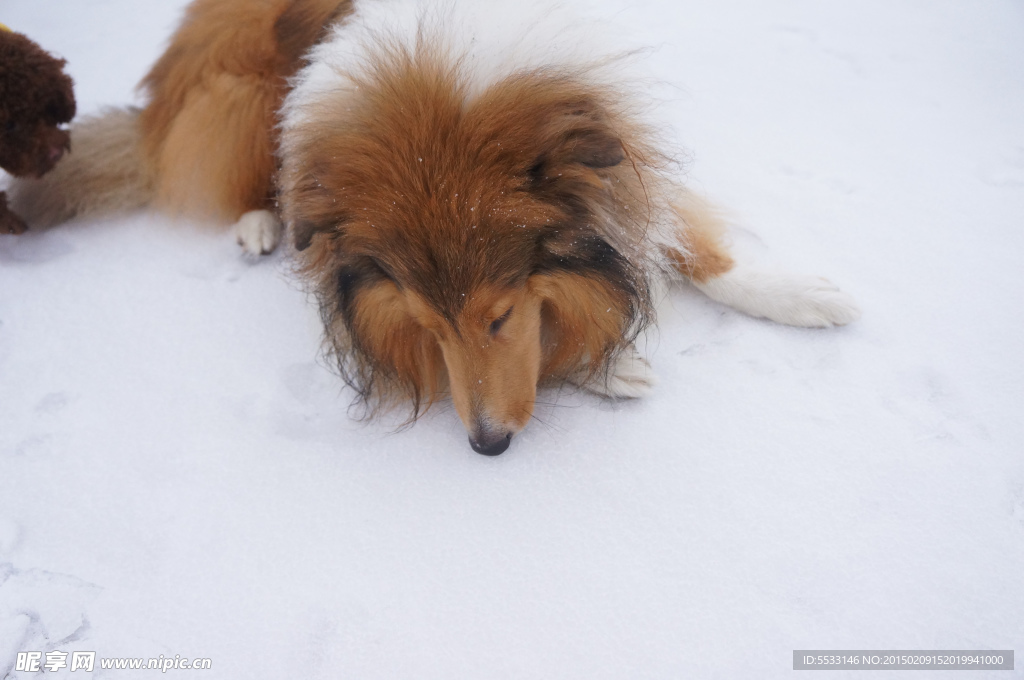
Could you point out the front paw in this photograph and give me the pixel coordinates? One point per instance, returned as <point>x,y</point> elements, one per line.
<point>258,232</point>
<point>629,376</point>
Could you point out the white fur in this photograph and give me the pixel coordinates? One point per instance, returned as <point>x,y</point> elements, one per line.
<point>258,232</point>
<point>629,377</point>
<point>793,300</point>
<point>496,40</point>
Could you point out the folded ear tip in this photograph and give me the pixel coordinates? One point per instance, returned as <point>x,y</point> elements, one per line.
<point>607,158</point>
<point>302,236</point>
<point>599,150</point>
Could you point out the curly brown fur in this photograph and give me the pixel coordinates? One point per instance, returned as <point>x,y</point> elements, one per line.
<point>36,97</point>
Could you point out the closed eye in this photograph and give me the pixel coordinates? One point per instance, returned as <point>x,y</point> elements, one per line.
<point>500,321</point>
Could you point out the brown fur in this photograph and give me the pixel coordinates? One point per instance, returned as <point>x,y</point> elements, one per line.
<point>36,98</point>
<point>477,243</point>
<point>208,132</point>
<point>424,215</point>
<point>704,256</point>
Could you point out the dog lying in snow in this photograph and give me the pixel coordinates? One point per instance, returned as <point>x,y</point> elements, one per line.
<point>467,230</point>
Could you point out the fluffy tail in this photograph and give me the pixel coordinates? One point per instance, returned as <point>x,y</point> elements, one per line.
<point>104,173</point>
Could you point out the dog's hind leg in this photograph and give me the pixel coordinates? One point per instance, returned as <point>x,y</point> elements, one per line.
<point>794,300</point>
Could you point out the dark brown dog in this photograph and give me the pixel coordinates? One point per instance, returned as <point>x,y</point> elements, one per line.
<point>36,97</point>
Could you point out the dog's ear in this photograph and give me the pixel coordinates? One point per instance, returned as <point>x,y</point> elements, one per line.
<point>303,231</point>
<point>577,139</point>
<point>590,144</point>
<point>311,209</point>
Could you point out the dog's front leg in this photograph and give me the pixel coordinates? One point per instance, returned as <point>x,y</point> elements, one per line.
<point>628,376</point>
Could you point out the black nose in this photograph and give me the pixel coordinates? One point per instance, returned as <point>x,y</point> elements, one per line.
<point>491,445</point>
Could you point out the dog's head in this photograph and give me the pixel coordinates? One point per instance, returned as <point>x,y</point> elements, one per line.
<point>463,242</point>
<point>36,98</point>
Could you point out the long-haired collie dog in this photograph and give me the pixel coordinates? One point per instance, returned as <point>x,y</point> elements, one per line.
<point>469,229</point>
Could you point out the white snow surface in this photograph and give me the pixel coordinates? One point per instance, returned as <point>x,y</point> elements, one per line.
<point>179,474</point>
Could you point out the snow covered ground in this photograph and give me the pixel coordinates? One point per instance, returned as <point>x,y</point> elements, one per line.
<point>179,476</point>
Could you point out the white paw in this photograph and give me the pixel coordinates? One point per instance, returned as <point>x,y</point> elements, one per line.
<point>818,304</point>
<point>258,232</point>
<point>629,377</point>
<point>806,301</point>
